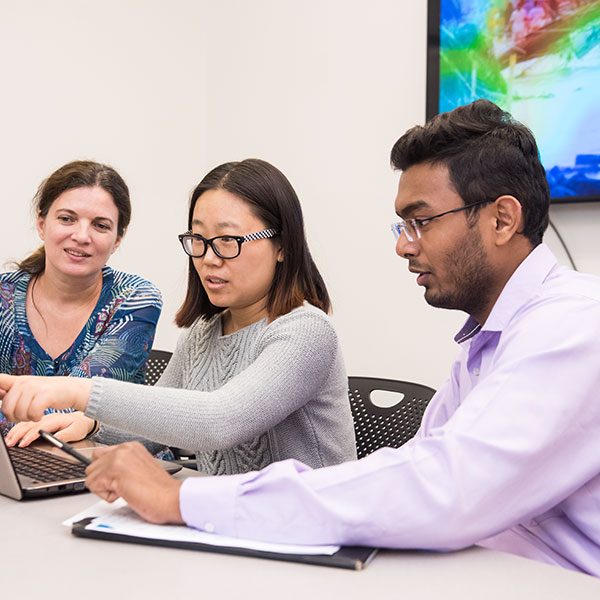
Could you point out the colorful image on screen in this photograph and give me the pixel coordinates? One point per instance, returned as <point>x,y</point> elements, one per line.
<point>539,60</point>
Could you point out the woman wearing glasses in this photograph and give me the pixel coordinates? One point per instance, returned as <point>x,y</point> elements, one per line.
<point>63,311</point>
<point>258,375</point>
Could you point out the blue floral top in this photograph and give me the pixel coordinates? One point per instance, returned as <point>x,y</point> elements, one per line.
<point>115,342</point>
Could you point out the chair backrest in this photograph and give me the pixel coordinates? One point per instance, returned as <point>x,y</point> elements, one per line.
<point>157,361</point>
<point>377,426</point>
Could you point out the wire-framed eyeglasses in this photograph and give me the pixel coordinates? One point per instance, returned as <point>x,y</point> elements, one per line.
<point>411,227</point>
<point>224,246</point>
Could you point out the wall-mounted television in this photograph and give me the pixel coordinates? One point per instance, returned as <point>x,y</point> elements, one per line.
<point>537,59</point>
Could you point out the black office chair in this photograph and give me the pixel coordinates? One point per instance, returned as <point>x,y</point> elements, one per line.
<point>378,426</point>
<point>157,362</point>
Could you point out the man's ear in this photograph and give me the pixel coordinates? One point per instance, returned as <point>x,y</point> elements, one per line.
<point>508,218</point>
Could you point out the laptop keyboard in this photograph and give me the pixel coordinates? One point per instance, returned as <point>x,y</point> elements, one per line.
<point>44,467</point>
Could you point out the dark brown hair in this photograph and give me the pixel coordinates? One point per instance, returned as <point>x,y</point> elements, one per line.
<point>77,174</point>
<point>273,200</point>
<point>488,154</point>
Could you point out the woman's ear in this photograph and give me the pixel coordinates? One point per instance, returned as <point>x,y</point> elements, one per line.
<point>117,243</point>
<point>280,254</point>
<point>40,226</point>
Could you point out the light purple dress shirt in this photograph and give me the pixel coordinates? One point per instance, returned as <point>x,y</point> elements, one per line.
<point>508,454</point>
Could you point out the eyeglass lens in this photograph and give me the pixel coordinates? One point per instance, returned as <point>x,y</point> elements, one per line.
<point>225,247</point>
<point>409,229</point>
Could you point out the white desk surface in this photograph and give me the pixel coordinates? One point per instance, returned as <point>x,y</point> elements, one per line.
<point>39,557</point>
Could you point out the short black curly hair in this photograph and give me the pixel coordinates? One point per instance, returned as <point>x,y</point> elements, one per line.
<point>488,154</point>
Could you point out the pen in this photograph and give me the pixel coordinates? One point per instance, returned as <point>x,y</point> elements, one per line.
<point>65,447</point>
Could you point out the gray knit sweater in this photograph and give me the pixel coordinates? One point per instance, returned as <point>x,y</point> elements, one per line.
<point>265,393</point>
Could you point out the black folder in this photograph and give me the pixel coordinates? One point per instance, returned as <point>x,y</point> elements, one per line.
<point>347,557</point>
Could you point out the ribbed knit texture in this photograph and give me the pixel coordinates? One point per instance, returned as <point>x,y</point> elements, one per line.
<point>262,394</point>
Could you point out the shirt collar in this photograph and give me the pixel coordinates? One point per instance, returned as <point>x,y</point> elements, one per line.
<point>523,283</point>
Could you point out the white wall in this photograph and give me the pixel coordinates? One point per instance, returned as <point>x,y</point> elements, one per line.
<point>166,91</point>
<point>122,82</point>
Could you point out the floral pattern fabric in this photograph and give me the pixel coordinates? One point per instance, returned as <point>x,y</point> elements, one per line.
<point>115,341</point>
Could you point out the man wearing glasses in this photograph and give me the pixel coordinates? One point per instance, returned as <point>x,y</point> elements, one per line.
<point>507,453</point>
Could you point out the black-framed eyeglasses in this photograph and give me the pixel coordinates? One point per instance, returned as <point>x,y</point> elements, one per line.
<point>411,227</point>
<point>224,246</point>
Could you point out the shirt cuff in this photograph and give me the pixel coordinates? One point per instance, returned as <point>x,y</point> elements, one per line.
<point>208,503</point>
<point>91,409</point>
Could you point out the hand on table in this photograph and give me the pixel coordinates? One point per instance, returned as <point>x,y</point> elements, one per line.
<point>128,471</point>
<point>68,427</point>
<point>25,397</point>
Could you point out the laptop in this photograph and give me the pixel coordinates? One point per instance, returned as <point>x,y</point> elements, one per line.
<point>31,472</point>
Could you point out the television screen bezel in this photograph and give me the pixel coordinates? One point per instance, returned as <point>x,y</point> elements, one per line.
<point>433,84</point>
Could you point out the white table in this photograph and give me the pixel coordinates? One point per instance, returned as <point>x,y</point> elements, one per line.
<point>41,558</point>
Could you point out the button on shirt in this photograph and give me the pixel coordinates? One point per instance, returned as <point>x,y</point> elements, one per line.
<point>508,453</point>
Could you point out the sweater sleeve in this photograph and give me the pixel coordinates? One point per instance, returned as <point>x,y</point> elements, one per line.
<point>172,377</point>
<point>295,357</point>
